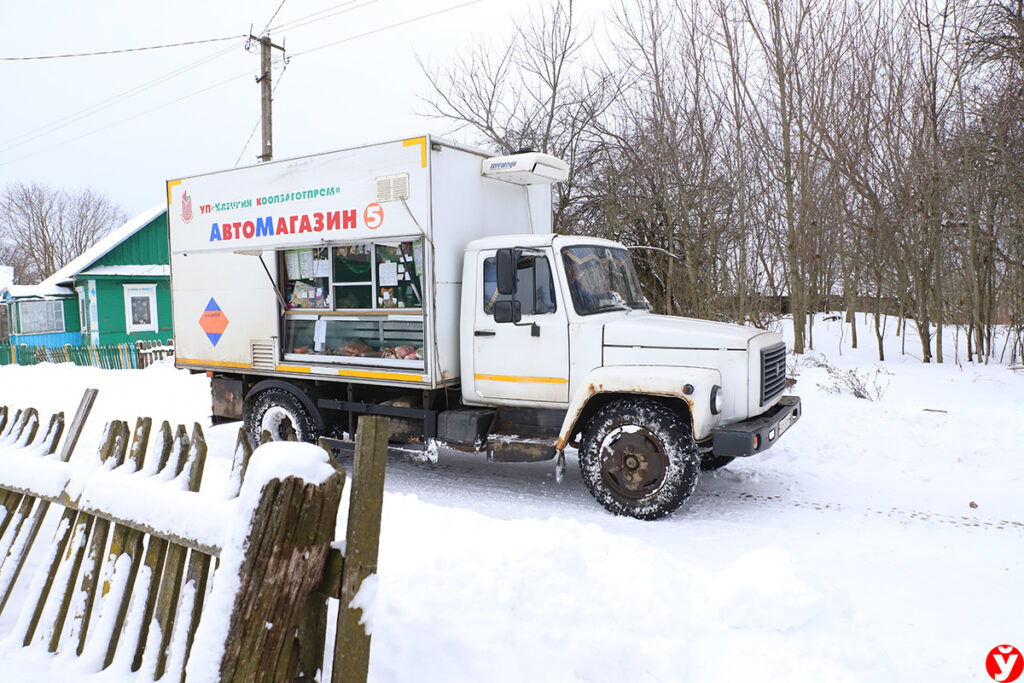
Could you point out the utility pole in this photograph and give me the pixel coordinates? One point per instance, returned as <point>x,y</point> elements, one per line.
<point>265,95</point>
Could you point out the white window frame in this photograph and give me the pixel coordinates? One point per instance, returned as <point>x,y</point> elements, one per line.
<point>135,291</point>
<point>83,309</point>
<point>57,304</point>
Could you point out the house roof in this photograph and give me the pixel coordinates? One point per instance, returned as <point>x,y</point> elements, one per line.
<point>40,291</point>
<point>55,285</point>
<point>129,270</point>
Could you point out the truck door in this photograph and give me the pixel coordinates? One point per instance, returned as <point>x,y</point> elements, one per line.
<point>528,360</point>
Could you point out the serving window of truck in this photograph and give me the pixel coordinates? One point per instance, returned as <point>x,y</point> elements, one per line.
<point>354,303</point>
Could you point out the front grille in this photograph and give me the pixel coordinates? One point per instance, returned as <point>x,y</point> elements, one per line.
<point>773,372</point>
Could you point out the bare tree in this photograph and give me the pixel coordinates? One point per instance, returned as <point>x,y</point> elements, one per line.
<point>42,229</point>
<point>860,153</point>
<point>535,94</point>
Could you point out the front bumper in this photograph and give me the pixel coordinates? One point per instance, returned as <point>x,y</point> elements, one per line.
<point>758,433</point>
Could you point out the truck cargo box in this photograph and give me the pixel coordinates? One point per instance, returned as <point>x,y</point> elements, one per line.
<point>344,265</point>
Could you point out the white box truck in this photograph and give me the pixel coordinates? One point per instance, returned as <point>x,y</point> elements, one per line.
<point>419,279</point>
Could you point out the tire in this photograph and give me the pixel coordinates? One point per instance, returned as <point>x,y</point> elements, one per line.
<point>639,459</point>
<point>282,414</point>
<point>711,462</point>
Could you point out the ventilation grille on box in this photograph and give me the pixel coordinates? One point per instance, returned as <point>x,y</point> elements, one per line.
<point>391,188</point>
<point>262,354</point>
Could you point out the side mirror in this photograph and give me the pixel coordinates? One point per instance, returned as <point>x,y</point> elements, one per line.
<point>507,311</point>
<point>505,265</point>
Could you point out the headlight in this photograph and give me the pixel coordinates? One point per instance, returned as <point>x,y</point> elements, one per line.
<point>716,400</point>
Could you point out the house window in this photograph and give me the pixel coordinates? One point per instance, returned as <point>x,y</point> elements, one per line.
<point>140,308</point>
<point>40,317</point>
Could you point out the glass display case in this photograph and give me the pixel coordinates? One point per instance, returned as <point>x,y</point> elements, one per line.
<point>306,277</point>
<point>358,304</point>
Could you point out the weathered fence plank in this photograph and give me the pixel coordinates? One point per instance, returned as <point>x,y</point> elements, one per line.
<point>286,548</point>
<point>362,540</point>
<point>239,462</point>
<point>192,464</point>
<point>16,556</point>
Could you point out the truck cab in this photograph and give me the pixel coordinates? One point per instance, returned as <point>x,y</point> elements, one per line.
<point>558,324</point>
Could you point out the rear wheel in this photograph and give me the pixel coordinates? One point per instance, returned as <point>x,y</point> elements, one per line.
<point>639,459</point>
<point>281,413</point>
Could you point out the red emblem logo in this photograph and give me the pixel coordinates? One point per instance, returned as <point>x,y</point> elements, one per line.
<point>186,207</point>
<point>1004,663</point>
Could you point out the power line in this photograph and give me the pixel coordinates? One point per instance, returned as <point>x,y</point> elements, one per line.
<point>133,117</point>
<point>117,52</point>
<point>322,14</point>
<point>389,26</point>
<point>272,17</point>
<point>295,24</point>
<point>69,119</point>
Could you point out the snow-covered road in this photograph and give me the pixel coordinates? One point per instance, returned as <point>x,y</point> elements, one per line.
<point>879,541</point>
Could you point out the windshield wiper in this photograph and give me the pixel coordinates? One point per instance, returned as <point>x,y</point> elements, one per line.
<point>614,306</point>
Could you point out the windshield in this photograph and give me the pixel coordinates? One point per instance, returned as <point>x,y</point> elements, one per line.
<point>602,279</point>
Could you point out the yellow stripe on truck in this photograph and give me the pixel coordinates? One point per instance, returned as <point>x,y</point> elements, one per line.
<point>170,184</point>
<point>291,368</point>
<point>213,363</point>
<point>397,376</point>
<point>536,380</point>
<point>422,142</point>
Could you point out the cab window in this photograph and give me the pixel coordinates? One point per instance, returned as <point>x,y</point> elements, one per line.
<point>535,288</point>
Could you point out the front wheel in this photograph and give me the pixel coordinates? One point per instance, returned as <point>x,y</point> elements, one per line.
<point>639,459</point>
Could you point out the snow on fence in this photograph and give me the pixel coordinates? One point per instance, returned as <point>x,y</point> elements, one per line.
<point>147,574</point>
<point>124,356</point>
<point>149,352</point>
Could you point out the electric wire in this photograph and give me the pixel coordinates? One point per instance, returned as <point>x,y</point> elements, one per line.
<point>118,52</point>
<point>388,27</point>
<point>74,117</point>
<point>272,17</point>
<point>301,21</point>
<point>294,24</point>
<point>133,117</point>
<point>297,25</point>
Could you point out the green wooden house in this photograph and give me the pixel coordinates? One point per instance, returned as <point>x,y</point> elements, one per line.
<point>117,291</point>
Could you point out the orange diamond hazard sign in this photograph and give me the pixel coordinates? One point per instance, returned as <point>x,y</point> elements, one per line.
<point>213,321</point>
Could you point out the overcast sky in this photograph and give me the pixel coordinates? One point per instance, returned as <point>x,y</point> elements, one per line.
<point>123,124</point>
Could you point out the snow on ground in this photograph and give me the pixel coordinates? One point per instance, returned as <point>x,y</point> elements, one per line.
<point>878,541</point>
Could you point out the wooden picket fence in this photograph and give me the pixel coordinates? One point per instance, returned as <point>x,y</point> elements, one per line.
<point>151,351</point>
<point>124,356</point>
<point>17,354</point>
<point>116,590</point>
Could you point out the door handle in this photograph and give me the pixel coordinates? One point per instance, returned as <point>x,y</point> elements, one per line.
<point>483,333</point>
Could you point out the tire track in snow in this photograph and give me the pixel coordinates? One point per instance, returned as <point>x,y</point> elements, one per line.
<point>907,516</point>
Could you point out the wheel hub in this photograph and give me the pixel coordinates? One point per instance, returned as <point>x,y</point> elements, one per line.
<point>633,462</point>
<point>279,423</point>
<point>633,468</point>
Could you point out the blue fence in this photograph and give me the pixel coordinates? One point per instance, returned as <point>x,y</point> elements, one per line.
<point>112,357</point>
